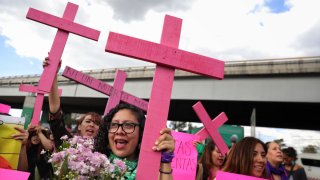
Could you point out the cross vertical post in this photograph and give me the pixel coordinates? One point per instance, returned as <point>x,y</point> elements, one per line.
<point>159,102</point>
<point>115,95</point>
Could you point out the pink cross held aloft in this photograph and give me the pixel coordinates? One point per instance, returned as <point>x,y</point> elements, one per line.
<point>167,57</point>
<point>211,127</point>
<point>65,26</point>
<point>115,92</point>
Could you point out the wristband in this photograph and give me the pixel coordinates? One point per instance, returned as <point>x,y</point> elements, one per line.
<point>163,172</point>
<point>166,157</point>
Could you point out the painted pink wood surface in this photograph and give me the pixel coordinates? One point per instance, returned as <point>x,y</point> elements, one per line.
<point>216,122</point>
<point>4,108</point>
<point>212,128</point>
<point>64,26</point>
<point>232,176</point>
<point>160,54</point>
<point>37,109</point>
<point>158,109</point>
<point>13,174</point>
<point>115,95</point>
<point>102,87</point>
<point>33,89</point>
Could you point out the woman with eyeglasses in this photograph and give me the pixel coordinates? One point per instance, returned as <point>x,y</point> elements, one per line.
<point>120,137</point>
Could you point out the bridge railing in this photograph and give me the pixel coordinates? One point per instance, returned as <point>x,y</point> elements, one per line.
<point>244,67</point>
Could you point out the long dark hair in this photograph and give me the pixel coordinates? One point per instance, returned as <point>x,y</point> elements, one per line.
<point>39,146</point>
<point>206,160</point>
<point>290,152</point>
<point>101,143</point>
<point>240,157</point>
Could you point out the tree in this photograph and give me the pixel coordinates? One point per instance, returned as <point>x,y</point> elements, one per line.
<point>310,149</point>
<point>178,125</point>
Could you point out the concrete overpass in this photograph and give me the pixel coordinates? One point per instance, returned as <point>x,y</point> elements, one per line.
<point>285,92</point>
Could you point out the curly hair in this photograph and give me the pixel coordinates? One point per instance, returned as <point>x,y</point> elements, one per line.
<point>290,152</point>
<point>101,143</point>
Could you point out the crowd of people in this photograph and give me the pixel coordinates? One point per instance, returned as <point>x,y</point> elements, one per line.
<point>119,135</point>
<point>252,157</point>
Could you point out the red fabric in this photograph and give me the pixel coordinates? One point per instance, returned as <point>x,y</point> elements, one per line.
<point>4,163</point>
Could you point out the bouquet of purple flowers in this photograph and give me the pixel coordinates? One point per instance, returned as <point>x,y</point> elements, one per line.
<point>75,159</point>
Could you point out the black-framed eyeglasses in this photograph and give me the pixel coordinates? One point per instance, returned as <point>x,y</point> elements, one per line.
<point>126,127</point>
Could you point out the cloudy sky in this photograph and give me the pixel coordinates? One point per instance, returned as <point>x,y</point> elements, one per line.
<point>227,30</point>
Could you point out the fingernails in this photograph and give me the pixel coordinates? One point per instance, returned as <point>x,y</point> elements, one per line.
<point>156,143</point>
<point>154,148</point>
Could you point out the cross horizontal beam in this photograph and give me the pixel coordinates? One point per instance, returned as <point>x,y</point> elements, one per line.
<point>103,87</point>
<point>164,55</point>
<point>63,24</point>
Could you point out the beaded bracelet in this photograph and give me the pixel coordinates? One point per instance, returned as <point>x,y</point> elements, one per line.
<point>166,157</point>
<point>163,172</point>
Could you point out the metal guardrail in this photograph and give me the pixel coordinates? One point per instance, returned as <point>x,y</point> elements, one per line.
<point>245,67</point>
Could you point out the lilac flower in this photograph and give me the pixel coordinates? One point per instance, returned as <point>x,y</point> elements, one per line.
<point>81,163</point>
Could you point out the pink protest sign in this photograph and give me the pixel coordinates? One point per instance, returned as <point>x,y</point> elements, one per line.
<point>184,163</point>
<point>167,56</point>
<point>231,176</point>
<point>13,174</point>
<point>216,122</point>
<point>212,128</point>
<point>4,108</point>
<point>104,87</point>
<point>65,26</point>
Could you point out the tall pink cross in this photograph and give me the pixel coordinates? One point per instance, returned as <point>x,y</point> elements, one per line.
<point>167,57</point>
<point>211,127</point>
<point>115,92</point>
<point>65,26</point>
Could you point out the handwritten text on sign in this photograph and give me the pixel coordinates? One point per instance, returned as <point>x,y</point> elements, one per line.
<point>184,164</point>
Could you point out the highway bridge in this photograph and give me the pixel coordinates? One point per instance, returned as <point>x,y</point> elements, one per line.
<point>285,92</point>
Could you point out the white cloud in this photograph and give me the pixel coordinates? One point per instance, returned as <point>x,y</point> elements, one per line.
<point>226,30</point>
<point>291,137</point>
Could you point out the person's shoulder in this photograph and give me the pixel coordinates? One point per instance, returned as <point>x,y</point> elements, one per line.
<point>298,167</point>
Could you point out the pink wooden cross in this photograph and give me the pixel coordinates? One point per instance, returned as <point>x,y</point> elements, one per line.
<point>65,26</point>
<point>211,127</point>
<point>115,92</point>
<point>167,57</point>
<point>4,108</point>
